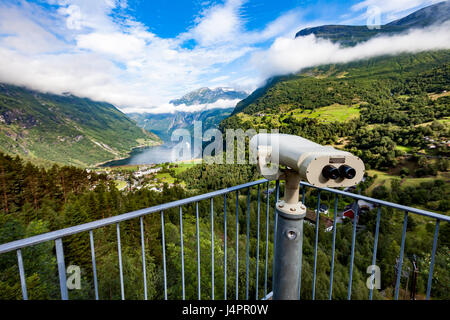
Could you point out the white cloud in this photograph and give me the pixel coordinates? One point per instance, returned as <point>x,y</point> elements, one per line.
<point>74,19</point>
<point>288,55</point>
<point>393,5</point>
<point>287,24</point>
<point>218,24</point>
<point>95,49</point>
<point>83,48</point>
<point>19,30</point>
<point>390,9</point>
<point>170,108</point>
<point>83,14</point>
<point>123,46</point>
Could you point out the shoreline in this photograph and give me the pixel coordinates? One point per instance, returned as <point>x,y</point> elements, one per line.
<point>195,161</point>
<point>190,161</point>
<point>99,164</point>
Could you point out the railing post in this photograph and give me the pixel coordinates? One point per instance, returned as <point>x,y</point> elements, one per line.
<point>289,240</point>
<point>61,269</point>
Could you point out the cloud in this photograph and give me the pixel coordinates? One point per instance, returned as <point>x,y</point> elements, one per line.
<point>393,5</point>
<point>171,108</point>
<point>288,55</point>
<point>218,24</point>
<point>20,30</point>
<point>391,9</point>
<point>87,14</point>
<point>95,49</point>
<point>123,46</point>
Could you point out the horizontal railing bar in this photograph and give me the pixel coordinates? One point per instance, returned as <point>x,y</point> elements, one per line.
<point>14,245</point>
<point>383,203</point>
<point>18,244</point>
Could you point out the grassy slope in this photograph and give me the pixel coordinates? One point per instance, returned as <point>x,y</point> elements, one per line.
<point>333,86</point>
<point>65,129</point>
<point>338,93</point>
<point>335,112</point>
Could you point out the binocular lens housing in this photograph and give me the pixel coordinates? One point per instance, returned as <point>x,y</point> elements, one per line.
<point>321,166</point>
<point>347,172</point>
<point>331,172</point>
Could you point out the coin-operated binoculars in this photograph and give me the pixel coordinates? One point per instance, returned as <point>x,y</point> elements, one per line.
<point>302,159</point>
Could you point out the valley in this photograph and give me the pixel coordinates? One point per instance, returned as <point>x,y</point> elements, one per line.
<point>208,106</point>
<point>67,161</point>
<point>65,129</point>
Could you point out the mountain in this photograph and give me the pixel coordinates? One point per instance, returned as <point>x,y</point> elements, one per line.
<point>206,95</point>
<point>380,109</point>
<point>351,35</point>
<point>65,129</point>
<point>164,124</point>
<point>205,111</point>
<point>342,85</point>
<point>347,36</point>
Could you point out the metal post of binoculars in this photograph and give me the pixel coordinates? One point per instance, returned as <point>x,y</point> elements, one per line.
<point>289,240</point>
<point>321,166</point>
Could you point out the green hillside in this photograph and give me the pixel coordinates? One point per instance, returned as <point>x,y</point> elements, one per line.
<point>379,109</point>
<point>65,129</point>
<point>382,78</point>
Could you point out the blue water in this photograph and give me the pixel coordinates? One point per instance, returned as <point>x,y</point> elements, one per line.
<point>150,155</point>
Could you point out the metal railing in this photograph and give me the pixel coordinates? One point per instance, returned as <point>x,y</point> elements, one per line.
<point>57,236</point>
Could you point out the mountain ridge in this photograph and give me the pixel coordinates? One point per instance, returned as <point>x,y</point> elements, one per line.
<point>344,34</point>
<point>65,129</point>
<point>208,96</point>
<point>351,35</point>
<point>290,89</point>
<point>164,124</point>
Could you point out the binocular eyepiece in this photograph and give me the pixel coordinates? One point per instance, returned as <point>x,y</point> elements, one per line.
<point>347,172</point>
<point>333,173</point>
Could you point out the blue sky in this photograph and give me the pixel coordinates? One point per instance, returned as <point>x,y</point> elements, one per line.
<point>139,54</point>
<point>170,18</point>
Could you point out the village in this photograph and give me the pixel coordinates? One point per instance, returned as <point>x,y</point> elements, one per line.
<point>132,178</point>
<point>153,177</point>
<point>433,144</point>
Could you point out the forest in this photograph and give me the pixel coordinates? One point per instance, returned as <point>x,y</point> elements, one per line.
<point>37,200</point>
<point>402,106</point>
